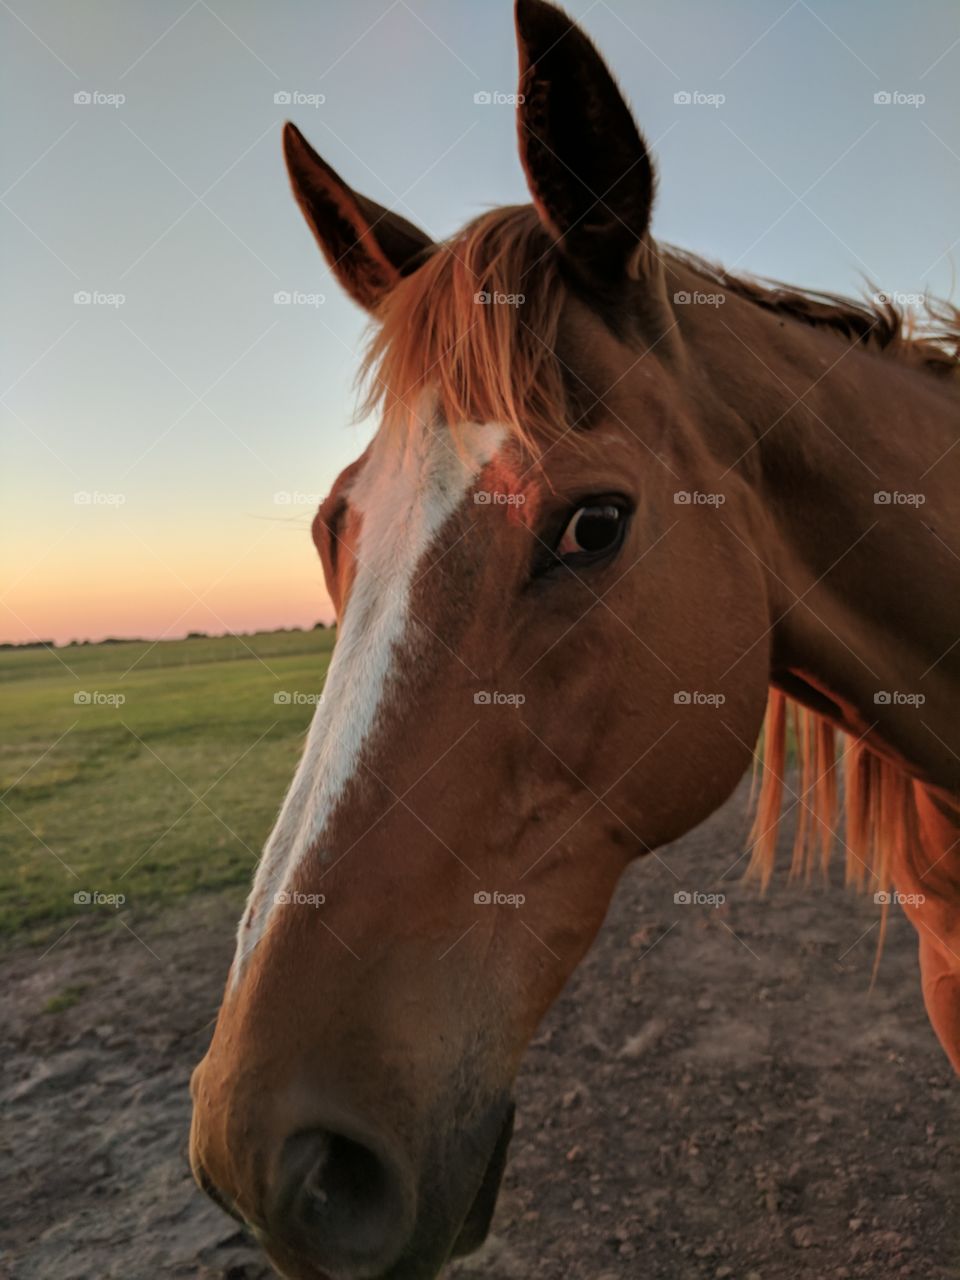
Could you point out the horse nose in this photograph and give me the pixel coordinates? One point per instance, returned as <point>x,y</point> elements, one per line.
<point>342,1203</point>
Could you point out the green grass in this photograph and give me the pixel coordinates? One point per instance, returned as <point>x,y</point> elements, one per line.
<point>170,792</point>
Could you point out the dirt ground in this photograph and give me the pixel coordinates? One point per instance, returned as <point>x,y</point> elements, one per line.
<point>716,1095</point>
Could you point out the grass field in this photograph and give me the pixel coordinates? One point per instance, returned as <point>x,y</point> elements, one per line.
<point>147,770</point>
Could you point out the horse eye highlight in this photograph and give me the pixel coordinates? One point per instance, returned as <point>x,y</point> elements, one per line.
<point>592,531</point>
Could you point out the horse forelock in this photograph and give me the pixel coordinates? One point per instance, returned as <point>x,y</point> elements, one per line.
<point>477,324</point>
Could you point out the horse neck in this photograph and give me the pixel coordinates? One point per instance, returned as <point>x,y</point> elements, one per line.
<point>864,593</point>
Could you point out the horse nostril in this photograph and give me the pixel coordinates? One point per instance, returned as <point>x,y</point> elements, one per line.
<point>339,1202</point>
<point>345,1179</point>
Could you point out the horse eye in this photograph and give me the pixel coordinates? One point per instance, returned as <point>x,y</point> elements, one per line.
<point>592,531</point>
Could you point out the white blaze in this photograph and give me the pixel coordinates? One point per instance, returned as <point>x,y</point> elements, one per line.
<point>406,491</point>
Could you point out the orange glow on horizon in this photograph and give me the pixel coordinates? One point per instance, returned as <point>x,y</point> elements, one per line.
<point>120,588</point>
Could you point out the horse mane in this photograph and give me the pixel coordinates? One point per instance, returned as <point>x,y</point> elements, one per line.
<point>496,361</point>
<point>835,772</point>
<point>929,338</point>
<point>493,361</point>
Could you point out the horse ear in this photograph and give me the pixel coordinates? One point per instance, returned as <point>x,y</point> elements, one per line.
<point>368,248</point>
<point>587,167</point>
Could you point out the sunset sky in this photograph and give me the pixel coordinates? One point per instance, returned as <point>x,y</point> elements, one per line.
<point>202,420</point>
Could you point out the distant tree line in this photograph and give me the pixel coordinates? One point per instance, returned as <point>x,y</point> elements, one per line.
<point>191,635</point>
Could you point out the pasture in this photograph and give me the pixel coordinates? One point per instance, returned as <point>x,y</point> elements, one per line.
<point>151,771</point>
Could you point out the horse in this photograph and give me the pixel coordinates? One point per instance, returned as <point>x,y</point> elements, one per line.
<point>624,516</point>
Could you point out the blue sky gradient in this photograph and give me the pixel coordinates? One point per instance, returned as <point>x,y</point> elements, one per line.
<point>186,410</point>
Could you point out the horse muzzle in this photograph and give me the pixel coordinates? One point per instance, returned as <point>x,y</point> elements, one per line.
<point>340,1203</point>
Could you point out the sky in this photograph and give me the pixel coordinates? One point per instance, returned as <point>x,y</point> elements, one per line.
<point>168,427</point>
